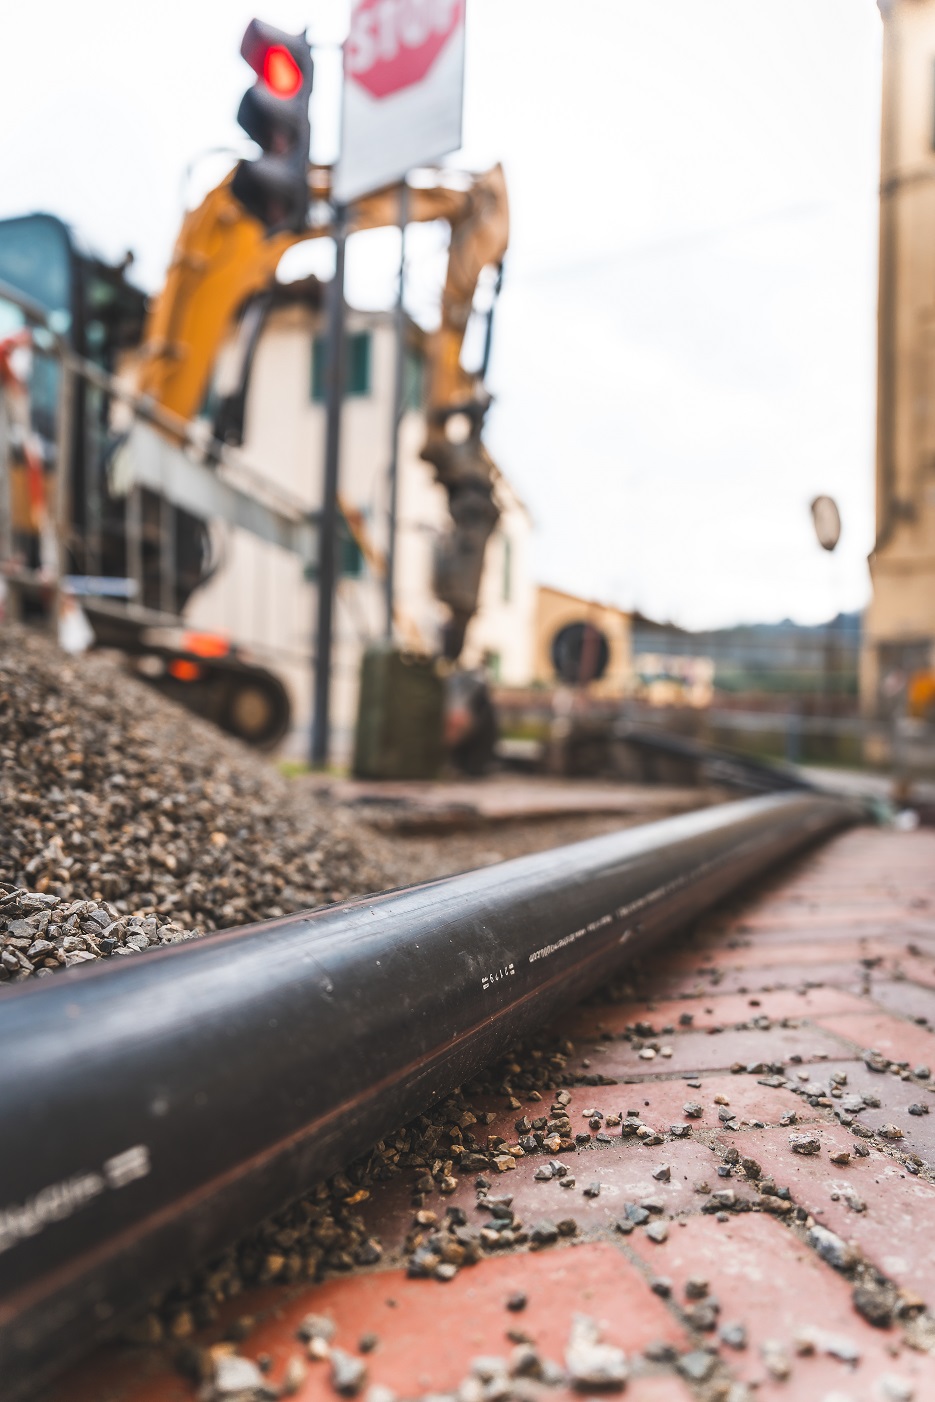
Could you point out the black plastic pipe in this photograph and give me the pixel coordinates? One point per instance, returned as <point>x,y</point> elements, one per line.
<point>151,1111</point>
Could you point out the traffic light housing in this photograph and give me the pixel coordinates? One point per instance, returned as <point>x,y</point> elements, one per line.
<point>274,113</point>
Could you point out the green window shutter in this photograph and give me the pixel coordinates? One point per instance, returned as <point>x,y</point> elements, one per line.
<point>350,555</point>
<point>357,366</point>
<point>358,363</point>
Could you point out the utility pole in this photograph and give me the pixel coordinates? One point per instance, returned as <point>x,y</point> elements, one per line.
<point>399,390</point>
<point>327,554</point>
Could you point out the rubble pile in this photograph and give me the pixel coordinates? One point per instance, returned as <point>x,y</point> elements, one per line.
<point>127,822</point>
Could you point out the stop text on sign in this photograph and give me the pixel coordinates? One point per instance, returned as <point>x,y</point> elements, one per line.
<point>393,43</point>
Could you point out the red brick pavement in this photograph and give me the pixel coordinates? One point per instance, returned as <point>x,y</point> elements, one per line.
<point>766,1279</point>
<point>872,1203</point>
<point>763,1046</point>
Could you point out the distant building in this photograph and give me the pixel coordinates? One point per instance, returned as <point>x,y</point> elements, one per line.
<point>779,659</point>
<point>900,621</point>
<point>556,610</point>
<point>259,594</point>
<point>663,664</point>
<point>673,679</point>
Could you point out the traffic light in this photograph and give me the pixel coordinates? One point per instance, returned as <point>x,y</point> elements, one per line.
<point>274,113</point>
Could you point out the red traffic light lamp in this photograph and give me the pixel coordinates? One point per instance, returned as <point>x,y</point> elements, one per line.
<point>281,73</point>
<point>274,113</point>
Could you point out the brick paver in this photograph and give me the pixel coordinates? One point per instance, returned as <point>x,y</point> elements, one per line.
<point>716,1009</point>
<point>898,1039</point>
<point>662,1102</point>
<point>697,1051</point>
<point>764,1278</point>
<point>906,999</point>
<point>873,1203</point>
<point>783,975</point>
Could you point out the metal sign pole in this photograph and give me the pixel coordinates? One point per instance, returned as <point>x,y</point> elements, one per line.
<point>327,557</point>
<point>63,485</point>
<point>399,390</point>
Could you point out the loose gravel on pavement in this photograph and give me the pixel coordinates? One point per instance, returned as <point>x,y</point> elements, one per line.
<point>126,822</point>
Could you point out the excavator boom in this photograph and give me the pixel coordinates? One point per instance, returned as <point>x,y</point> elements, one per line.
<point>223,257</point>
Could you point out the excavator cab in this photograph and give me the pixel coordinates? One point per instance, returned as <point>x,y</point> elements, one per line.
<point>101,315</point>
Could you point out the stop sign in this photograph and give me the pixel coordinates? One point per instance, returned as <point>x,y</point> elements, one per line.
<point>394,43</point>
<point>403,85</point>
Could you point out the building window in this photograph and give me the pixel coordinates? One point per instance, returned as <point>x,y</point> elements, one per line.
<point>358,363</point>
<point>507,577</point>
<point>357,366</point>
<point>350,561</point>
<point>413,380</point>
<point>350,555</point>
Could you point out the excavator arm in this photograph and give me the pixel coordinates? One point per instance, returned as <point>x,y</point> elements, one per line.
<point>223,257</point>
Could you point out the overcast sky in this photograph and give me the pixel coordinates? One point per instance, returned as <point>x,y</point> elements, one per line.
<point>684,349</point>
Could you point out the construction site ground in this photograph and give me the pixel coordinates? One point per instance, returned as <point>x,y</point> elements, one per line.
<point>437,828</point>
<point>752,1213</point>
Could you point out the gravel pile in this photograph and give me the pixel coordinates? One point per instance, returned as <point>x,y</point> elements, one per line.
<point>126,822</point>
<point>40,933</point>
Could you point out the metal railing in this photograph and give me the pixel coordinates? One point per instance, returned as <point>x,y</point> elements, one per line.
<point>179,463</point>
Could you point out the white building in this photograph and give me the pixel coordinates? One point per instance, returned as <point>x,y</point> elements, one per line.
<point>259,596</point>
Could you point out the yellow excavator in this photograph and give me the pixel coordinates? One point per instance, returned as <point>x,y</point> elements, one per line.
<point>223,259</point>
